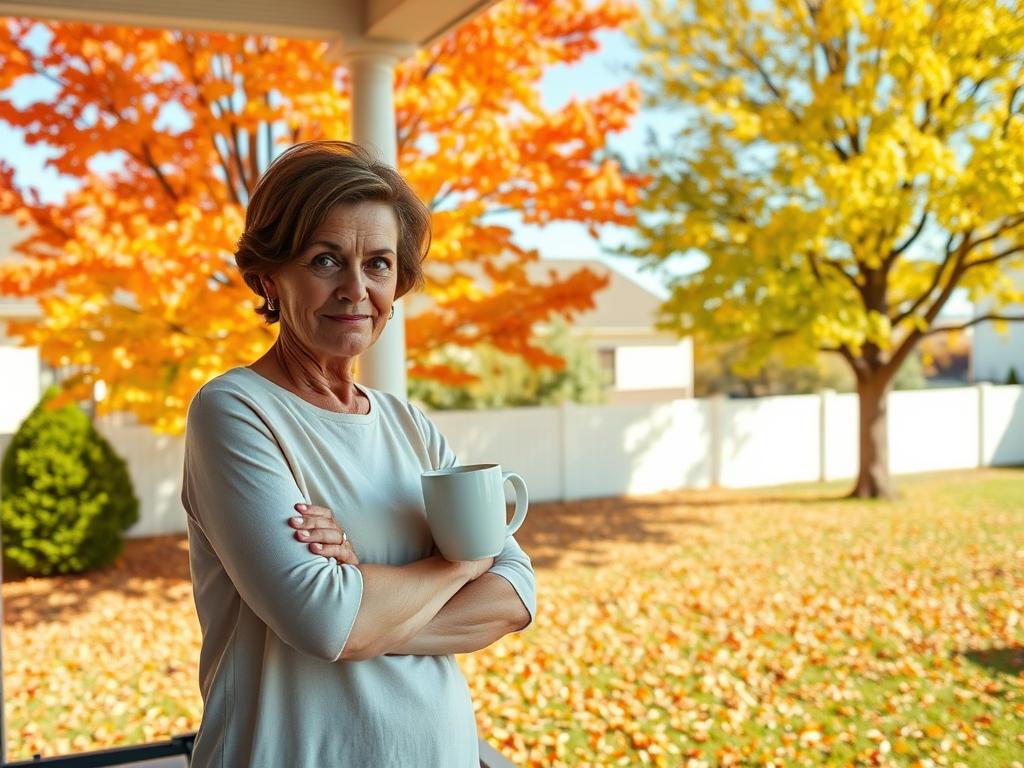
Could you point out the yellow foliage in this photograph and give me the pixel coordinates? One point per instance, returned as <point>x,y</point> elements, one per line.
<point>843,167</point>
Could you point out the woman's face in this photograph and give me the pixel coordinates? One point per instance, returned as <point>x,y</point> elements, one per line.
<point>336,294</point>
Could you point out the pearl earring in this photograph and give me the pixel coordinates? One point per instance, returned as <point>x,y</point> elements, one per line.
<point>271,305</point>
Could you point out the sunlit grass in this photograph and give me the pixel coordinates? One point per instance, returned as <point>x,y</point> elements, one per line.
<point>784,627</point>
<point>788,627</point>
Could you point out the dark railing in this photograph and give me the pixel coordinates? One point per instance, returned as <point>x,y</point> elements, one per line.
<point>178,746</point>
<point>147,755</point>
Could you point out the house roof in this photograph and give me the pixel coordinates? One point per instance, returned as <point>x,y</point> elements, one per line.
<point>359,23</point>
<point>624,304</point>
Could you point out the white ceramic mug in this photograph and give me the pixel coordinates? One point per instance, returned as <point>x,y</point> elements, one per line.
<point>466,509</point>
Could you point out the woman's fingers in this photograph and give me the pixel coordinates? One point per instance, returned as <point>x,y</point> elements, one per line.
<point>317,528</point>
<point>343,553</point>
<point>313,511</point>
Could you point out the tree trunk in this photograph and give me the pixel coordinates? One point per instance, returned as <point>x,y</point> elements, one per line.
<point>873,479</point>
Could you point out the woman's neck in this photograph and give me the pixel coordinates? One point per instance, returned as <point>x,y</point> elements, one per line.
<point>327,385</point>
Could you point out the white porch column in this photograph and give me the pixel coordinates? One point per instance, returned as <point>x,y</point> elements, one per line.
<point>373,126</point>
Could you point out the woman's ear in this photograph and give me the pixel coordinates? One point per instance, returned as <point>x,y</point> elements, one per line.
<point>269,289</point>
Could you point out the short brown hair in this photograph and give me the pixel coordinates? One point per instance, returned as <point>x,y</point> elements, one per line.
<point>301,187</point>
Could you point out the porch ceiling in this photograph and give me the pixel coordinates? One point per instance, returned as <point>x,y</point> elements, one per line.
<point>407,22</point>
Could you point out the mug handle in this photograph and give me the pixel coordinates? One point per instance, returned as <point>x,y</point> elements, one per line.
<point>522,501</point>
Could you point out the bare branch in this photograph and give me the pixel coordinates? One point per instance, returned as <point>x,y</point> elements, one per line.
<point>1007,224</point>
<point>975,321</point>
<point>194,77</point>
<point>895,252</point>
<point>848,277</point>
<point>936,279</point>
<point>995,257</point>
<point>766,78</point>
<point>147,156</point>
<point>813,261</point>
<point>956,272</point>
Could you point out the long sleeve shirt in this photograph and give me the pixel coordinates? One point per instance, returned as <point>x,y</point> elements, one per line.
<point>275,617</point>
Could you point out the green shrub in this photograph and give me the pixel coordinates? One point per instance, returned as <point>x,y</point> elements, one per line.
<point>65,496</point>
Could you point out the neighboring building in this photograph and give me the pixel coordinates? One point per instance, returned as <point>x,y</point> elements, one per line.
<point>947,356</point>
<point>643,364</point>
<point>996,354</point>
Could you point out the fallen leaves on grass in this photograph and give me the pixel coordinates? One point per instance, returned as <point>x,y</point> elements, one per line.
<point>689,629</point>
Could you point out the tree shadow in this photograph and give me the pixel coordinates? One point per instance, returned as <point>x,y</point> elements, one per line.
<point>1006,661</point>
<point>144,562</point>
<point>586,531</point>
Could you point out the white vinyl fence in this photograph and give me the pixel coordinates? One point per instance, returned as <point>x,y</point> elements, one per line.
<point>578,452</point>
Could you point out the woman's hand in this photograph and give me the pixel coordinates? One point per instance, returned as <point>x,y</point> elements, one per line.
<point>477,568</point>
<point>316,527</point>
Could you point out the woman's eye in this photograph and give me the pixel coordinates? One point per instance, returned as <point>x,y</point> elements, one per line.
<point>380,264</point>
<point>322,260</point>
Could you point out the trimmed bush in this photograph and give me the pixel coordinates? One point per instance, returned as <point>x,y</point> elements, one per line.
<point>65,496</point>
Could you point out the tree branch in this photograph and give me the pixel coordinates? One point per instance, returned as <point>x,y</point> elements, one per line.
<point>201,98</point>
<point>975,321</point>
<point>1007,224</point>
<point>994,257</point>
<point>895,252</point>
<point>769,83</point>
<point>813,261</point>
<point>151,162</point>
<point>849,278</point>
<point>936,279</point>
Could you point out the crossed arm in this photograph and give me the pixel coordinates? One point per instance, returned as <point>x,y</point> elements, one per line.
<point>323,609</point>
<point>430,607</point>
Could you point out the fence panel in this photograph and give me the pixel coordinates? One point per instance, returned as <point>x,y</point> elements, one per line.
<point>154,462</point>
<point>577,452</point>
<point>771,440</point>
<point>933,429</point>
<point>523,440</point>
<point>632,449</point>
<point>839,435</point>
<point>1003,426</point>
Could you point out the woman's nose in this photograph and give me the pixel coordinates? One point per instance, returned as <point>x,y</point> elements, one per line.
<point>351,286</point>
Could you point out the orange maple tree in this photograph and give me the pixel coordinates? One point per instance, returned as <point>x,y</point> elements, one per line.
<point>133,269</point>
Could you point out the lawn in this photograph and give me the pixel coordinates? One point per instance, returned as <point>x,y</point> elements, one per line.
<point>781,627</point>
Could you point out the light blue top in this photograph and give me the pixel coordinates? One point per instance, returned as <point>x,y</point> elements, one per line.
<point>275,617</point>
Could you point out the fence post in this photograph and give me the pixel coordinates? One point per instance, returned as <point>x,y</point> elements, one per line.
<point>716,416</point>
<point>984,392</point>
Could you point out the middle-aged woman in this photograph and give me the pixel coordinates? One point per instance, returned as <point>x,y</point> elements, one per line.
<point>328,621</point>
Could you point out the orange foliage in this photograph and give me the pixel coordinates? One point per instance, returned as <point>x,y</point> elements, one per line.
<point>134,269</point>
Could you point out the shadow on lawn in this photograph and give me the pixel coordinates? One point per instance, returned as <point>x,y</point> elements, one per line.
<point>1007,661</point>
<point>32,600</point>
<point>586,532</point>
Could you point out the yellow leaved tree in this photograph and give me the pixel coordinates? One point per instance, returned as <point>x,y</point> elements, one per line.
<point>843,168</point>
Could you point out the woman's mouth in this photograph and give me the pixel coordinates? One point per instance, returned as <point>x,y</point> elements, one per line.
<point>350,319</point>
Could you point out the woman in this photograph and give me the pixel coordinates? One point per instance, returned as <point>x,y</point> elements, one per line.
<point>328,622</point>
